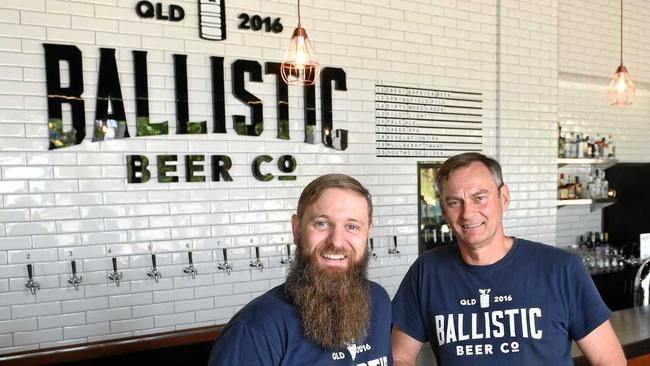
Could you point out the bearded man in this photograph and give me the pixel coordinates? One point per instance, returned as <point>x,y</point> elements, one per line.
<point>327,312</point>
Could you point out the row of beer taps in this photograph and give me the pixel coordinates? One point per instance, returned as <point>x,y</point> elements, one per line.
<point>116,276</point>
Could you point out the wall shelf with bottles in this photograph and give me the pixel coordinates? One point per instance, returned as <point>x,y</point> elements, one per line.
<point>606,163</point>
<point>595,204</point>
<point>604,197</point>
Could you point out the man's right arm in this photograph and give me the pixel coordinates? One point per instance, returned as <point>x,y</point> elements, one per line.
<point>405,348</point>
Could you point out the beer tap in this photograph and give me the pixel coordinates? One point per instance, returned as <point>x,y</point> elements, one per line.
<point>257,262</point>
<point>394,249</point>
<point>31,284</point>
<point>225,266</point>
<point>115,276</point>
<point>153,271</point>
<point>288,259</point>
<point>372,249</point>
<point>190,269</point>
<point>73,279</point>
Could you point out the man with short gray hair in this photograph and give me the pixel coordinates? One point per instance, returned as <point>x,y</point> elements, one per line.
<point>494,299</point>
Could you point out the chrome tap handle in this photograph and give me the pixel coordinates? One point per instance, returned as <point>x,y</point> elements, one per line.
<point>395,241</point>
<point>153,272</point>
<point>190,268</point>
<point>225,266</point>
<point>74,279</point>
<point>115,276</point>
<point>257,262</point>
<point>288,259</point>
<point>372,249</point>
<point>394,250</point>
<point>30,284</point>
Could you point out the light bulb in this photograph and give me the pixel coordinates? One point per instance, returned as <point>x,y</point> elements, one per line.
<point>620,84</point>
<point>300,53</point>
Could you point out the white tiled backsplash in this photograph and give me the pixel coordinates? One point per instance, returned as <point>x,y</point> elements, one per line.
<point>535,63</point>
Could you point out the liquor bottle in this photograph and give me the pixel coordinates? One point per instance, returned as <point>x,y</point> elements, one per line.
<point>560,143</point>
<point>589,153</point>
<point>578,188</point>
<point>604,148</point>
<point>590,187</point>
<point>571,187</point>
<point>605,238</point>
<point>568,146</point>
<point>590,239</point>
<point>581,242</point>
<point>596,187</point>
<point>573,141</point>
<point>562,189</point>
<point>612,148</point>
<point>577,148</point>
<point>604,185</point>
<point>595,149</point>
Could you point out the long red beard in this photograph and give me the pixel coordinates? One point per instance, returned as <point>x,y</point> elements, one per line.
<point>334,306</point>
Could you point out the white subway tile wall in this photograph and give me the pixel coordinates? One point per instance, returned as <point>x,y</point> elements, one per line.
<point>589,54</point>
<point>536,63</point>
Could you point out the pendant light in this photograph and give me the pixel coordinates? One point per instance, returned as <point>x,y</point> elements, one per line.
<point>621,89</point>
<point>299,66</point>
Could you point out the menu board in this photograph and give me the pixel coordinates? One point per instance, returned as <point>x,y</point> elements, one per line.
<point>428,123</point>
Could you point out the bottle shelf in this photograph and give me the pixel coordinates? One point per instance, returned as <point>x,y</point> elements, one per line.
<point>595,203</point>
<point>586,161</point>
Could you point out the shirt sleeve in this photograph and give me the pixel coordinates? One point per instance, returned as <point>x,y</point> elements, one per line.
<point>587,308</point>
<point>407,310</point>
<point>242,344</point>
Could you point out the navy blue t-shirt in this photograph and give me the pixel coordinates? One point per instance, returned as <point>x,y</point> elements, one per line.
<point>268,331</point>
<point>522,310</point>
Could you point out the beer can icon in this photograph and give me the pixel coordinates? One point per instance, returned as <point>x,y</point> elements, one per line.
<point>484,298</point>
<point>212,19</point>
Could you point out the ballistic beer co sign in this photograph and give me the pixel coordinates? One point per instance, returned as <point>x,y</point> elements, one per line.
<point>113,125</point>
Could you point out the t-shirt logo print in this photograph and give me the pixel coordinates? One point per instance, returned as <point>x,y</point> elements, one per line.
<point>485,297</point>
<point>352,348</point>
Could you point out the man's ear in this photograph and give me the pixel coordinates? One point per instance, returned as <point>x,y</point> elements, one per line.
<point>295,228</point>
<point>505,197</point>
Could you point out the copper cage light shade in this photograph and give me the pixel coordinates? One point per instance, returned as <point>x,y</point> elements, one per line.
<point>300,66</point>
<point>621,89</point>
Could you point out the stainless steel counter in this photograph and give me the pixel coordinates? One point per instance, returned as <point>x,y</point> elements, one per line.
<point>632,326</point>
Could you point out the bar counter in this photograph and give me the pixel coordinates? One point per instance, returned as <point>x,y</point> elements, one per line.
<point>192,347</point>
<point>632,326</point>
